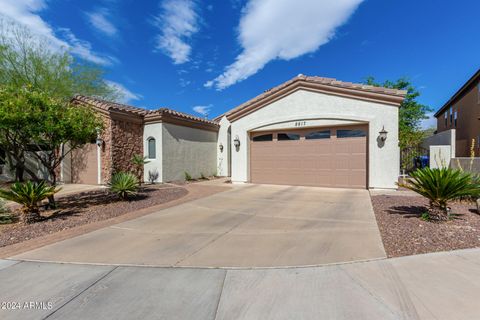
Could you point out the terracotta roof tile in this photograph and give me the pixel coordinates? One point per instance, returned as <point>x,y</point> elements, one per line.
<point>315,79</point>
<point>108,106</point>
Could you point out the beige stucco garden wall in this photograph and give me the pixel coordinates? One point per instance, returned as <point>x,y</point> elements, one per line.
<point>223,158</point>
<point>312,107</point>
<point>186,149</point>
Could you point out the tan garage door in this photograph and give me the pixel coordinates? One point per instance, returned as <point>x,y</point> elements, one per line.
<point>326,157</point>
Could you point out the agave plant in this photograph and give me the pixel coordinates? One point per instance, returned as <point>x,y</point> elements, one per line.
<point>124,184</point>
<point>29,194</point>
<point>440,186</point>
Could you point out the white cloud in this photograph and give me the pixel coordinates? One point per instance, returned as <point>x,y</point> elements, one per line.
<point>99,19</point>
<point>203,110</point>
<point>26,13</point>
<point>127,95</point>
<point>177,22</point>
<point>282,29</point>
<point>83,49</point>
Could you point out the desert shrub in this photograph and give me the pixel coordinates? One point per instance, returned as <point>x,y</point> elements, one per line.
<point>124,184</point>
<point>188,177</point>
<point>153,176</point>
<point>202,176</point>
<point>440,186</point>
<point>28,195</point>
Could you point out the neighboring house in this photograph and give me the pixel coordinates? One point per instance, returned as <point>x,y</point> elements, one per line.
<point>462,113</point>
<point>314,131</point>
<point>7,173</point>
<point>173,142</point>
<point>308,131</point>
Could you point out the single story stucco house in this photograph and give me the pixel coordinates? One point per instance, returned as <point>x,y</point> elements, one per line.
<point>308,131</point>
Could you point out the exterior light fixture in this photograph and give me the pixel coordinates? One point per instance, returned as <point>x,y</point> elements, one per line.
<point>221,147</point>
<point>99,140</point>
<point>383,134</point>
<point>236,142</point>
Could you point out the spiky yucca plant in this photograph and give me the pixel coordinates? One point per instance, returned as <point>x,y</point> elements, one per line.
<point>139,162</point>
<point>440,186</point>
<point>124,184</point>
<point>29,194</point>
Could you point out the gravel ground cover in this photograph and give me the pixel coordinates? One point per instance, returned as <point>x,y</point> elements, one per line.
<point>405,233</point>
<point>87,207</point>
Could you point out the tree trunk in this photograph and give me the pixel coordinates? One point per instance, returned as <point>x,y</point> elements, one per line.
<point>19,173</point>
<point>31,215</point>
<point>438,213</point>
<point>51,199</point>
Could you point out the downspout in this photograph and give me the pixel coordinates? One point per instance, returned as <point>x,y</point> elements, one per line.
<point>99,164</point>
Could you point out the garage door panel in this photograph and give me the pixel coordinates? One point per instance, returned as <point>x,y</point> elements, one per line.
<point>330,162</point>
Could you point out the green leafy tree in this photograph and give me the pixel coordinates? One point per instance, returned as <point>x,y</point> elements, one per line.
<point>31,61</point>
<point>411,114</point>
<point>28,59</point>
<point>33,122</point>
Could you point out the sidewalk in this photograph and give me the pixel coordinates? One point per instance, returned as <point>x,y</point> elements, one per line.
<point>432,286</point>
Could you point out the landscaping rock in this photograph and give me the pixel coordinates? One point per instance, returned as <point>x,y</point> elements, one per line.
<point>87,207</point>
<point>405,233</point>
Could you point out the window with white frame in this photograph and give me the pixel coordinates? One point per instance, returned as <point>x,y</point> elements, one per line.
<point>151,148</point>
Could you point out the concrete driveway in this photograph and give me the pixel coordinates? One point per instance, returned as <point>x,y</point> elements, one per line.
<point>247,226</point>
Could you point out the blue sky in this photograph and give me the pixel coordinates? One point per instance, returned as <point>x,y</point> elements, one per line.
<point>213,55</point>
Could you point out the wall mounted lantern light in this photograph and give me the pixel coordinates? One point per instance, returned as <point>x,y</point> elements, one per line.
<point>383,134</point>
<point>221,147</point>
<point>236,142</point>
<point>99,140</point>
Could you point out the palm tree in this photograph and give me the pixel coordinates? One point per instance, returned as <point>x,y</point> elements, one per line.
<point>139,162</point>
<point>440,186</point>
<point>29,194</point>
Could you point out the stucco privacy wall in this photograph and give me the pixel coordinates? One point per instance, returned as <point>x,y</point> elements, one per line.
<point>444,138</point>
<point>153,130</point>
<point>224,139</point>
<point>383,160</point>
<point>186,149</point>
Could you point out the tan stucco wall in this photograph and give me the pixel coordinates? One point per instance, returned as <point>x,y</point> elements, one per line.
<point>302,105</point>
<point>187,149</point>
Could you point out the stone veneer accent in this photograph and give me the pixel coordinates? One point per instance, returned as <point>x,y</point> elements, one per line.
<point>127,140</point>
<point>122,138</point>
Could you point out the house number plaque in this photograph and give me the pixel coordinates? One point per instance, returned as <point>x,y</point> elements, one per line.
<point>300,123</point>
